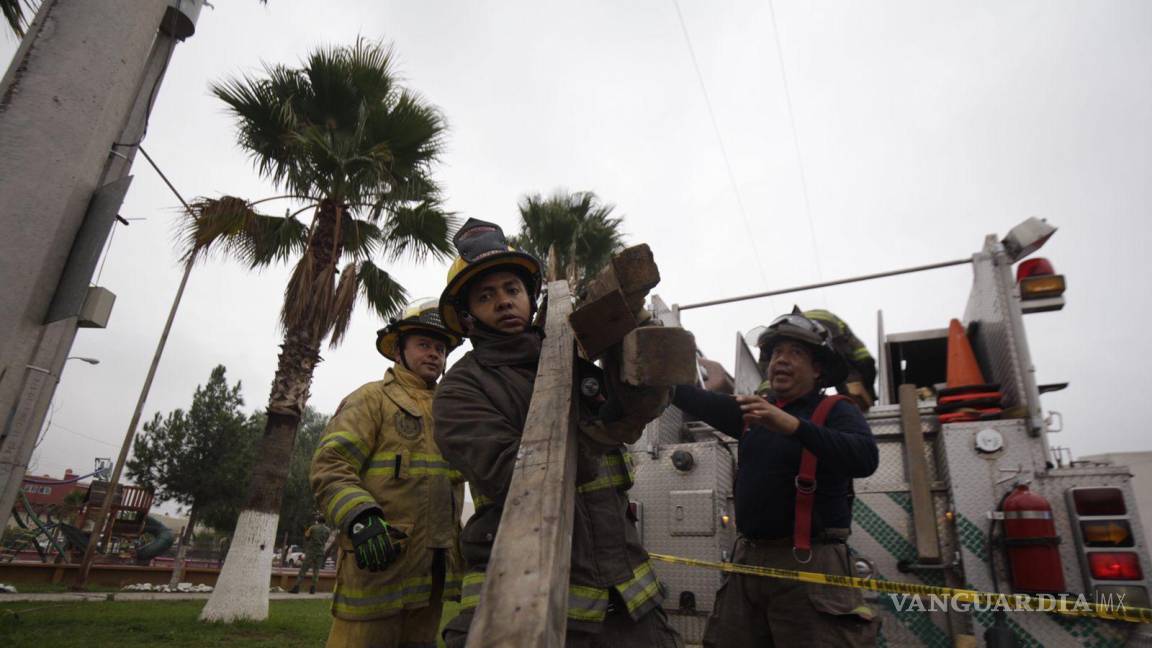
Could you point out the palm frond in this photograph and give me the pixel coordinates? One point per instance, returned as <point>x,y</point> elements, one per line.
<point>308,297</point>
<point>384,295</point>
<point>362,239</point>
<point>418,231</point>
<point>16,14</point>
<point>230,226</point>
<point>344,303</point>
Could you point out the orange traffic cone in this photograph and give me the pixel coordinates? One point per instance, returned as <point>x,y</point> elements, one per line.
<point>968,397</point>
<point>962,368</point>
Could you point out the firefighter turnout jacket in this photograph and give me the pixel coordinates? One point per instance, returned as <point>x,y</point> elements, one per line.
<point>378,452</point>
<point>480,409</point>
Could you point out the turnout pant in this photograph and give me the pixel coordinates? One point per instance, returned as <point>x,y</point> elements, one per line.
<point>408,628</point>
<point>618,630</point>
<point>758,611</point>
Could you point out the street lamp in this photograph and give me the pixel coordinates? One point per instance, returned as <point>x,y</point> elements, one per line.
<point>91,361</point>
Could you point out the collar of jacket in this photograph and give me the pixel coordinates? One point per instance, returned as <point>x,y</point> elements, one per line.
<point>404,387</point>
<point>811,398</point>
<point>499,350</point>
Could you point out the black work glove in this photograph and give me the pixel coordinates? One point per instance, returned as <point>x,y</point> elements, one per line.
<point>374,541</point>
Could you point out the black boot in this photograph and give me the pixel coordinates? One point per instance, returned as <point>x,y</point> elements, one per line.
<point>312,589</point>
<point>295,589</point>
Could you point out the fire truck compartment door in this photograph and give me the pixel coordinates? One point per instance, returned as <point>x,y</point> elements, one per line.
<point>693,513</point>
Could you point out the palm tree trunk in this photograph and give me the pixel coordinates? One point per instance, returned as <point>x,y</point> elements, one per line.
<point>182,550</point>
<point>242,588</point>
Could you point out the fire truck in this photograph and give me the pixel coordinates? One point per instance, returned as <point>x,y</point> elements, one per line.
<point>977,504</point>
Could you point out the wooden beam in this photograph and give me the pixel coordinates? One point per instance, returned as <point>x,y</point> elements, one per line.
<point>659,356</point>
<point>524,601</point>
<point>923,509</point>
<point>601,323</point>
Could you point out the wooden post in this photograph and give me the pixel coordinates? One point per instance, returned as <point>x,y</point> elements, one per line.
<point>524,601</point>
<point>923,510</point>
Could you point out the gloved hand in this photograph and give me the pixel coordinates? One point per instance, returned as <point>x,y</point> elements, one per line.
<point>375,542</point>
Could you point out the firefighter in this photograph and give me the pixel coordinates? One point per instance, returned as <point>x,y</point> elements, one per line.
<point>395,501</point>
<point>315,544</point>
<point>860,383</point>
<point>774,498</point>
<point>480,410</point>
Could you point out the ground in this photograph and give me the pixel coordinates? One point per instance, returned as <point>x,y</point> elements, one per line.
<point>172,624</point>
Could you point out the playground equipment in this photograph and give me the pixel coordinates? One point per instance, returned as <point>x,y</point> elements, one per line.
<point>59,535</point>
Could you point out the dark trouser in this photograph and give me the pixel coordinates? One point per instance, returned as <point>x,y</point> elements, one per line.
<point>313,562</point>
<point>618,630</point>
<point>757,611</point>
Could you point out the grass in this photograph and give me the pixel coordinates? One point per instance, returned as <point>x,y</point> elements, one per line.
<point>166,623</point>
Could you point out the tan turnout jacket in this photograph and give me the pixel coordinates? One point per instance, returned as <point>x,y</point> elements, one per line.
<point>378,452</point>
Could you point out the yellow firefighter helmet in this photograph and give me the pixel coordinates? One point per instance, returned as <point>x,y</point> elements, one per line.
<point>421,316</point>
<point>482,247</point>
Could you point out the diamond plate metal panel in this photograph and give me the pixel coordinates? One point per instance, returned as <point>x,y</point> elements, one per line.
<point>692,513</point>
<point>658,483</point>
<point>995,342</point>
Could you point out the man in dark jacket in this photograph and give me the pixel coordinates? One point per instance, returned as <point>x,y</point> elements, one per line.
<point>758,611</point>
<point>480,410</point>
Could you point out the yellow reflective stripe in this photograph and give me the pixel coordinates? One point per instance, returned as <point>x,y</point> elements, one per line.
<point>470,592</point>
<point>347,444</point>
<point>616,470</point>
<point>345,500</point>
<point>642,588</point>
<point>861,354</point>
<point>587,603</point>
<point>382,463</point>
<point>429,464</point>
<point>584,603</point>
<point>366,603</point>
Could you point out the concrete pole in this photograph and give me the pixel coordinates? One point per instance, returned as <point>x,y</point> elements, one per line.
<point>72,105</point>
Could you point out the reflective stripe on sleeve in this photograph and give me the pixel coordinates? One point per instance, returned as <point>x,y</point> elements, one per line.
<point>347,444</point>
<point>345,501</point>
<point>642,593</point>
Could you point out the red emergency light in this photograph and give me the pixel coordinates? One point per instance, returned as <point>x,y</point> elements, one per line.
<point>1038,279</point>
<point>1115,565</point>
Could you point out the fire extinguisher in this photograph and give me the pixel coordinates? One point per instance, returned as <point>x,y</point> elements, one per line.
<point>1030,543</point>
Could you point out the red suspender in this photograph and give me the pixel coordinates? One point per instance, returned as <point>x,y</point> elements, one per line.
<point>806,486</point>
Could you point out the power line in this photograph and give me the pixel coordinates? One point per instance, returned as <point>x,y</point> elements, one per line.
<point>720,141</point>
<point>796,142</point>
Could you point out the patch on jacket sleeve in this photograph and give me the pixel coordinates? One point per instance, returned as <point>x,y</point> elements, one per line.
<point>410,427</point>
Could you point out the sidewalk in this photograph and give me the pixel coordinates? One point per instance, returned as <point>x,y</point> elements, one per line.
<point>57,597</point>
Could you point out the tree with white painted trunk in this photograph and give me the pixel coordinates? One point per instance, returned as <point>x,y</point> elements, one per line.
<point>355,150</point>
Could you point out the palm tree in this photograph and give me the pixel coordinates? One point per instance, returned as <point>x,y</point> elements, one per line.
<point>340,136</point>
<point>578,225</point>
<point>16,14</point>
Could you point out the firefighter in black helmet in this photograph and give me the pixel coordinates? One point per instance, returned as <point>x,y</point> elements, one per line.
<point>798,455</point>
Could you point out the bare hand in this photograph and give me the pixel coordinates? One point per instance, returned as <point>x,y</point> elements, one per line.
<point>758,411</point>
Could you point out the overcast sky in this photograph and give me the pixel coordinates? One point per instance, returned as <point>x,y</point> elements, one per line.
<point>921,127</point>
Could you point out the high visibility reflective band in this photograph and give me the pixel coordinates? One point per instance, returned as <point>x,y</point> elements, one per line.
<point>616,470</point>
<point>642,589</point>
<point>586,603</point>
<point>347,444</point>
<point>470,591</point>
<point>368,603</point>
<point>384,464</point>
<point>452,588</point>
<point>861,354</point>
<point>345,501</point>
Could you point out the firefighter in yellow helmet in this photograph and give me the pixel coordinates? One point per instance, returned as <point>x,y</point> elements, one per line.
<point>379,478</point>
<point>481,407</point>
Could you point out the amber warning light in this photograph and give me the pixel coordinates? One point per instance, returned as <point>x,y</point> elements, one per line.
<point>1038,280</point>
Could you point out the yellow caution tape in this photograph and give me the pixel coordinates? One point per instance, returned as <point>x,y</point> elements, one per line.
<point>1009,602</point>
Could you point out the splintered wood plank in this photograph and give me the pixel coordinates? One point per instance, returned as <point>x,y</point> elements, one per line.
<point>524,601</point>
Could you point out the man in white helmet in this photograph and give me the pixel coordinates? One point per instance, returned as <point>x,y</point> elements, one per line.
<point>380,479</point>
